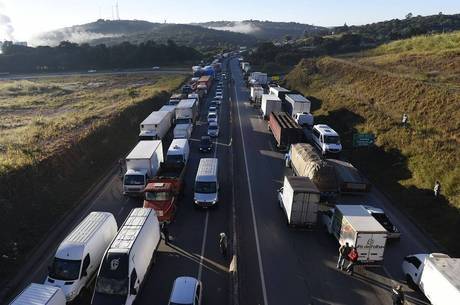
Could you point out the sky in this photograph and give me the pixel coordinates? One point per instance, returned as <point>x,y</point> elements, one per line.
<point>21,20</point>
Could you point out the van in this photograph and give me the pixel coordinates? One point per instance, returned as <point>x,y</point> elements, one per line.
<point>38,294</point>
<point>128,259</point>
<point>326,139</point>
<point>178,151</point>
<point>206,183</point>
<point>79,255</point>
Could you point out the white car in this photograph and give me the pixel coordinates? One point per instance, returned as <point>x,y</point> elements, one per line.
<point>218,97</point>
<point>156,68</point>
<point>212,109</point>
<point>383,219</point>
<point>219,92</point>
<point>212,117</point>
<point>186,290</point>
<point>213,129</point>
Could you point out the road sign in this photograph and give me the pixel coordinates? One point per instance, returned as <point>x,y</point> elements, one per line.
<point>363,139</point>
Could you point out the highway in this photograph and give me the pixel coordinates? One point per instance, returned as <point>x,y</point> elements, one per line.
<point>276,264</point>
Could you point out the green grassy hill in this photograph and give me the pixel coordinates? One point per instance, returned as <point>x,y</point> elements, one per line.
<point>369,92</point>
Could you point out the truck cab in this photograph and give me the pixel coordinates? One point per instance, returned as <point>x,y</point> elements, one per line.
<point>162,197</point>
<point>134,181</point>
<point>304,119</point>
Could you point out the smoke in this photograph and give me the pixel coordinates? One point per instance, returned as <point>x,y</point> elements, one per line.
<point>6,29</point>
<point>239,27</point>
<point>71,34</point>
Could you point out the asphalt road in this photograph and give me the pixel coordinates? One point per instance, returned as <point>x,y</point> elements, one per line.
<point>276,264</point>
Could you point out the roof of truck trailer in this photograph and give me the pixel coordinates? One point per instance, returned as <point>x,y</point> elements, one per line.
<point>271,97</point>
<point>144,149</point>
<point>35,294</point>
<point>155,117</point>
<point>186,103</point>
<point>131,228</point>
<point>302,184</point>
<point>450,267</point>
<point>360,219</point>
<point>73,245</point>
<point>168,108</point>
<point>279,89</point>
<point>299,98</point>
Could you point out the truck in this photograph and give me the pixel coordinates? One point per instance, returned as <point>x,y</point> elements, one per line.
<point>155,126</point>
<point>206,81</point>
<point>38,294</point>
<point>142,163</point>
<point>280,92</point>
<point>183,131</point>
<point>175,99</point>
<point>296,103</point>
<point>269,104</point>
<point>304,119</point>
<point>352,224</point>
<point>170,109</point>
<point>350,179</point>
<point>258,78</point>
<point>306,162</point>
<point>299,199</point>
<point>186,111</point>
<point>163,191</point>
<point>437,275</point>
<point>245,66</point>
<point>195,96</point>
<point>256,94</point>
<point>285,130</point>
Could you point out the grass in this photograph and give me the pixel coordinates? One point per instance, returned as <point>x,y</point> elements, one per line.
<point>40,116</point>
<point>369,93</point>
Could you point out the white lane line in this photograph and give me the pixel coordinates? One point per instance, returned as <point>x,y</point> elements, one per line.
<point>254,223</point>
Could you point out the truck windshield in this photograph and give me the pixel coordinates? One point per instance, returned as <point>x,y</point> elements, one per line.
<point>157,196</point>
<point>113,277</point>
<point>331,140</point>
<point>205,187</point>
<point>174,158</point>
<point>65,269</point>
<point>134,180</point>
<point>183,121</point>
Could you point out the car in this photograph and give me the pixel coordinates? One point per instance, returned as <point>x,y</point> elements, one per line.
<point>205,144</point>
<point>186,290</point>
<point>213,129</point>
<point>214,103</point>
<point>221,83</point>
<point>212,109</point>
<point>218,97</point>
<point>219,92</point>
<point>156,68</point>
<point>212,117</point>
<point>92,71</point>
<point>383,219</point>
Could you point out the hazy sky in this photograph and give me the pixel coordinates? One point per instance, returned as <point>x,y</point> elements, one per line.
<point>21,19</point>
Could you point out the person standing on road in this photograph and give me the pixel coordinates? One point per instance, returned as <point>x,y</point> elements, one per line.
<point>398,295</point>
<point>223,243</point>
<point>405,119</point>
<point>287,159</point>
<point>437,189</point>
<point>165,231</point>
<point>344,250</point>
<point>120,167</point>
<point>352,258</point>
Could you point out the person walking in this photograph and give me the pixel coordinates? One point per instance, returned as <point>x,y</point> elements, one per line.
<point>398,295</point>
<point>437,189</point>
<point>223,243</point>
<point>352,258</point>
<point>405,120</point>
<point>165,231</point>
<point>287,159</point>
<point>344,250</point>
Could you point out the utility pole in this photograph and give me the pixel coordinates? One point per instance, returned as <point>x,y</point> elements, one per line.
<point>118,12</point>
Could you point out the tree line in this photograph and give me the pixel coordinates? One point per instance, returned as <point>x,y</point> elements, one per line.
<point>69,56</point>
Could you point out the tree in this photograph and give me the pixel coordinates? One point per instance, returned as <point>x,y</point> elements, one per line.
<point>409,16</point>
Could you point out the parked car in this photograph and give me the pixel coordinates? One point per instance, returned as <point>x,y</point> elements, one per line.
<point>383,219</point>
<point>186,290</point>
<point>213,129</point>
<point>212,117</point>
<point>205,144</point>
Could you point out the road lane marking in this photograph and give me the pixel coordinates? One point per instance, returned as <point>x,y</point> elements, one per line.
<point>254,223</point>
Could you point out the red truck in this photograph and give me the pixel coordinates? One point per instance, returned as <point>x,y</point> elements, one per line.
<point>285,130</point>
<point>162,193</point>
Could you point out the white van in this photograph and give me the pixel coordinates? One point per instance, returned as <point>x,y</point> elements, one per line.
<point>326,139</point>
<point>183,131</point>
<point>128,259</point>
<point>206,183</point>
<point>178,151</point>
<point>38,294</point>
<point>78,257</point>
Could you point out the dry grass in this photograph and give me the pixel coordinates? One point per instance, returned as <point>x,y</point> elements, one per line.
<point>369,94</point>
<point>40,116</point>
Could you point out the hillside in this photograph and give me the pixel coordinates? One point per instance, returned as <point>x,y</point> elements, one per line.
<point>370,92</point>
<point>267,30</point>
<point>112,32</point>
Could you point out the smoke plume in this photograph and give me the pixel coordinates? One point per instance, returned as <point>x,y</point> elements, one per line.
<point>69,34</point>
<point>239,27</point>
<point>6,29</point>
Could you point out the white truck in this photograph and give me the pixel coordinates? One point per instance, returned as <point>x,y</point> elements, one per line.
<point>256,93</point>
<point>195,96</point>
<point>304,119</point>
<point>279,92</point>
<point>38,294</point>
<point>78,257</point>
<point>436,274</point>
<point>258,78</point>
<point>128,259</point>
<point>183,131</point>
<point>270,103</point>
<point>296,103</point>
<point>186,111</point>
<point>170,109</point>
<point>155,126</point>
<point>142,163</point>
<point>299,199</point>
<point>353,224</point>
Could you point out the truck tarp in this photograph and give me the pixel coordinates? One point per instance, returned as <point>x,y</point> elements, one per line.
<point>350,179</point>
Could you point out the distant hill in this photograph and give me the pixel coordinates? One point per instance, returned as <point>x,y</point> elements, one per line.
<point>267,30</point>
<point>112,32</point>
